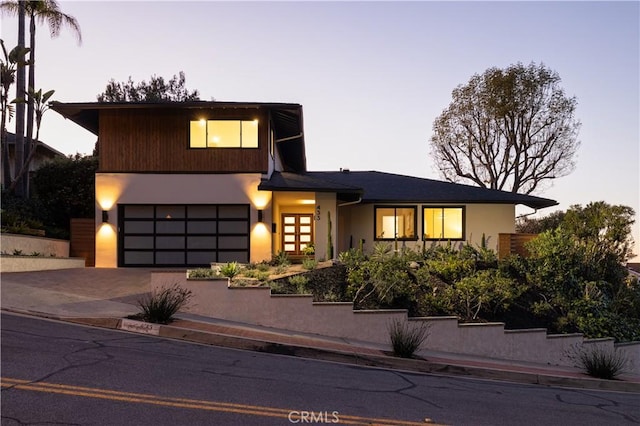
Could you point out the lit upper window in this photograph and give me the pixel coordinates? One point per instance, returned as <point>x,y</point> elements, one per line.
<point>443,223</point>
<point>223,134</point>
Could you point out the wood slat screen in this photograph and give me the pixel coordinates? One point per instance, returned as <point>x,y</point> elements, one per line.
<point>513,244</point>
<point>83,240</point>
<point>158,142</point>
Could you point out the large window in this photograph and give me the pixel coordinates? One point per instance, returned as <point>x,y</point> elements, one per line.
<point>223,134</point>
<point>443,223</point>
<point>395,223</point>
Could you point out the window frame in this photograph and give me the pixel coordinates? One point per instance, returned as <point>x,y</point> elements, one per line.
<point>206,141</point>
<point>395,207</point>
<point>442,207</point>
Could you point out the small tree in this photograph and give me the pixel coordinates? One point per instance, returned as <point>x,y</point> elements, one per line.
<point>8,68</point>
<point>537,225</point>
<point>508,129</point>
<point>156,90</point>
<point>42,11</point>
<point>65,189</point>
<point>40,102</point>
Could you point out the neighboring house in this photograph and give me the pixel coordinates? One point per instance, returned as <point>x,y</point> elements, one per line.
<point>187,184</point>
<point>44,153</point>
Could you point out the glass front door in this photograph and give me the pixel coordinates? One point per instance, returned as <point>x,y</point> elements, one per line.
<point>297,233</point>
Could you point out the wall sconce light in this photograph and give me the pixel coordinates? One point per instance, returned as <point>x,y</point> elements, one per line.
<point>105,216</point>
<point>260,215</point>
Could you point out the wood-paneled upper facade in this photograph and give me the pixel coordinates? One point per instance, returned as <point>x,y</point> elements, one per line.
<point>157,137</point>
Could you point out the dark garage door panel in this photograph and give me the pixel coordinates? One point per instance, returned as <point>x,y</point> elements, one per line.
<point>182,235</point>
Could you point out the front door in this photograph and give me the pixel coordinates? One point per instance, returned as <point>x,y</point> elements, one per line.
<point>297,232</point>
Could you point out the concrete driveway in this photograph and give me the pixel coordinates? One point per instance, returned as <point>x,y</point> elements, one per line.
<point>85,292</point>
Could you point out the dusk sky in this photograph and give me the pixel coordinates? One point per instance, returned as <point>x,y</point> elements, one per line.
<point>371,76</point>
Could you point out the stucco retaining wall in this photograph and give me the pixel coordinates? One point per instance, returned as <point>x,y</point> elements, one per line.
<point>30,244</point>
<point>255,305</point>
<point>36,263</point>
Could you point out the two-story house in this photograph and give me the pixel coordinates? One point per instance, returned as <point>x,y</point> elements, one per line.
<point>187,184</point>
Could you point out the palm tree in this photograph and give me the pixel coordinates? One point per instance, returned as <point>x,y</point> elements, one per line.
<point>8,69</point>
<point>43,11</point>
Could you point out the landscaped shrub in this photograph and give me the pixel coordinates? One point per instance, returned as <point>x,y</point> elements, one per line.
<point>380,281</point>
<point>482,295</point>
<point>230,270</point>
<point>263,266</point>
<point>602,363</point>
<point>202,273</point>
<point>262,276</point>
<point>161,305</point>
<point>406,338</point>
<point>449,264</point>
<point>309,263</point>
<point>65,189</point>
<point>300,283</point>
<point>281,259</point>
<point>430,295</point>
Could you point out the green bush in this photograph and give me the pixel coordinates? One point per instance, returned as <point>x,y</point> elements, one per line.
<point>300,282</point>
<point>281,259</point>
<point>230,270</point>
<point>309,263</point>
<point>405,338</point>
<point>263,267</point>
<point>262,276</point>
<point>449,264</point>
<point>576,291</point>
<point>202,273</point>
<point>383,280</point>
<point>160,306</point>
<point>65,189</point>
<point>482,295</point>
<point>602,363</point>
<point>250,273</point>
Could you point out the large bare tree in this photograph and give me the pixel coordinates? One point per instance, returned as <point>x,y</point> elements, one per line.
<point>509,129</point>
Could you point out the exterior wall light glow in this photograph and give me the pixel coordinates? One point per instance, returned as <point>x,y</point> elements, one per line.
<point>105,216</point>
<point>260,215</point>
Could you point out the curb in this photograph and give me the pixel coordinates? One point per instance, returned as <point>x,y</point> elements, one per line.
<point>332,355</point>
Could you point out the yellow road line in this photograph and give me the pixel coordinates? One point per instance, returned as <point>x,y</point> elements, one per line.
<point>186,403</point>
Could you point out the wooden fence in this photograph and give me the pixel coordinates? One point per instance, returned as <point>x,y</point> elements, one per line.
<point>83,240</point>
<point>513,244</point>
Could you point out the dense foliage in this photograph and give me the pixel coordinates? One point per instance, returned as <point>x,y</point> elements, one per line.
<point>62,189</point>
<point>574,279</point>
<point>156,90</point>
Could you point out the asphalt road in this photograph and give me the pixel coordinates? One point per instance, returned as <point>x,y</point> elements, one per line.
<point>62,374</point>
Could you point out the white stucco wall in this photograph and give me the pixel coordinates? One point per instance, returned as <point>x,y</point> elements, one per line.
<point>126,188</point>
<point>325,208</point>
<point>490,219</point>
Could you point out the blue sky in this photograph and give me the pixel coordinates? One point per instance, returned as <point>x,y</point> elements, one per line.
<point>371,76</point>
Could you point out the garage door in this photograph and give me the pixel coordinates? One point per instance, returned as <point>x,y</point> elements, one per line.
<point>182,235</point>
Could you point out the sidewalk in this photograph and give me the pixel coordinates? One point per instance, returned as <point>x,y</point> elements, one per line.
<point>102,297</point>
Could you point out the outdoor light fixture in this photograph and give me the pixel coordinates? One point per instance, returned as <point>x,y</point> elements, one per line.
<point>105,216</point>
<point>260,218</point>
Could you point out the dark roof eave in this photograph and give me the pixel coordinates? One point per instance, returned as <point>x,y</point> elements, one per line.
<point>85,114</point>
<point>533,205</point>
<point>265,186</point>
